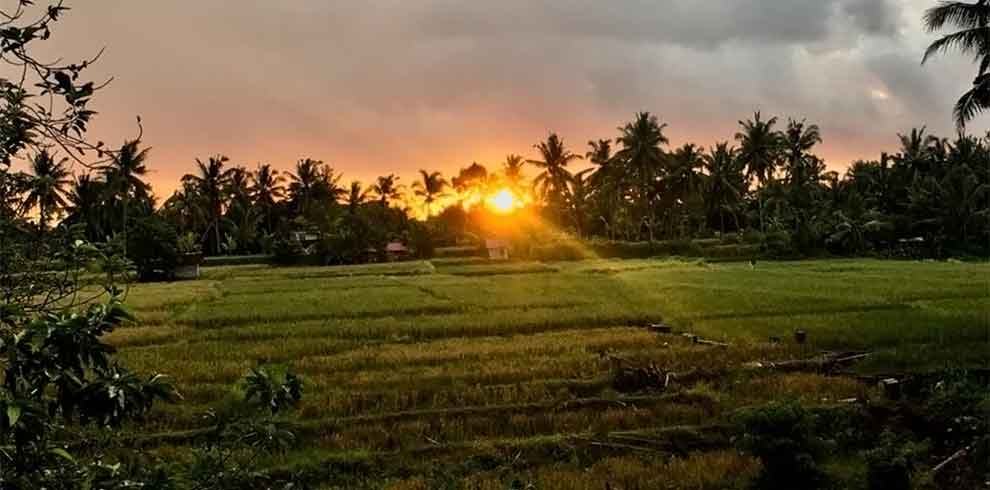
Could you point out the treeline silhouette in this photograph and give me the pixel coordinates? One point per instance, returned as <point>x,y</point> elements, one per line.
<point>930,196</point>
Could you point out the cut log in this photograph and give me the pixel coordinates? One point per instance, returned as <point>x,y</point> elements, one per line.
<point>891,388</point>
<point>660,328</point>
<point>956,455</point>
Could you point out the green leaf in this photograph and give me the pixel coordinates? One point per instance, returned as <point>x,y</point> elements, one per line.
<point>13,414</point>
<point>62,453</point>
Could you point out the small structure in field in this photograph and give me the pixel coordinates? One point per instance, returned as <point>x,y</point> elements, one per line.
<point>497,249</point>
<point>395,251</point>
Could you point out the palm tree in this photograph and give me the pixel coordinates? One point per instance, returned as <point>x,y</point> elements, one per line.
<point>972,39</point>
<point>512,173</point>
<point>641,154</point>
<point>430,188</point>
<point>356,196</point>
<point>582,193</point>
<point>87,199</point>
<point>726,183</point>
<point>387,189</point>
<point>267,189</point>
<point>212,184</point>
<point>47,183</point>
<point>759,152</point>
<point>123,175</point>
<point>305,181</point>
<point>797,142</point>
<point>552,182</point>
<point>917,150</point>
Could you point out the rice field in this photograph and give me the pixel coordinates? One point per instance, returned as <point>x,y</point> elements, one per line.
<point>460,374</point>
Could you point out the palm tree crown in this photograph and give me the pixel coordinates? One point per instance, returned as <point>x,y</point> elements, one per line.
<point>759,147</point>
<point>211,184</point>
<point>387,189</point>
<point>972,39</point>
<point>49,177</point>
<point>553,181</point>
<point>429,188</point>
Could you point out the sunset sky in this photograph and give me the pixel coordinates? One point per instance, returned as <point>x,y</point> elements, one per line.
<point>380,86</point>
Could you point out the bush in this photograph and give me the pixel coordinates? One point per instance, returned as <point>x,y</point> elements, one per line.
<point>153,247</point>
<point>754,237</point>
<point>559,251</point>
<point>891,464</point>
<point>287,251</point>
<point>779,244</point>
<point>781,436</point>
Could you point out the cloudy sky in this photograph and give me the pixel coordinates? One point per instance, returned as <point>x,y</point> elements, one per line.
<point>378,86</point>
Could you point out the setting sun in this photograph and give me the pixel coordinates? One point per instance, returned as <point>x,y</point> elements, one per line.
<point>503,201</point>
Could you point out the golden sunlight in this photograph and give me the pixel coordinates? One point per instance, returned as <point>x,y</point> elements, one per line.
<point>504,201</point>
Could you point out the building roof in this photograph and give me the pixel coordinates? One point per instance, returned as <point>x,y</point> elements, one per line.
<point>492,243</point>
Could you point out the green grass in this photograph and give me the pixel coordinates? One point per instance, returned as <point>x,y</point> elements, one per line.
<point>447,357</point>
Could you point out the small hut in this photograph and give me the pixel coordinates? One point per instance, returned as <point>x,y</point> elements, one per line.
<point>396,251</point>
<point>497,249</point>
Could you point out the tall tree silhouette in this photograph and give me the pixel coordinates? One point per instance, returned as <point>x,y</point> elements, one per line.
<point>87,205</point>
<point>124,176</point>
<point>304,180</point>
<point>972,39</point>
<point>266,190</point>
<point>512,173</point>
<point>46,191</point>
<point>387,189</point>
<point>552,184</point>
<point>726,183</point>
<point>759,152</point>
<point>356,196</point>
<point>642,156</point>
<point>431,187</point>
<point>211,183</point>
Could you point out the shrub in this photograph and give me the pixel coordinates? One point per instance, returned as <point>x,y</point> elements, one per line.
<point>891,464</point>
<point>153,247</point>
<point>781,436</point>
<point>287,251</point>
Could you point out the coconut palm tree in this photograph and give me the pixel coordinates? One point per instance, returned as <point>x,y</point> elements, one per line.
<point>46,190</point>
<point>356,196</point>
<point>429,189</point>
<point>185,210</point>
<point>972,39</point>
<point>512,173</point>
<point>86,205</point>
<point>212,184</point>
<point>642,156</point>
<point>304,184</point>
<point>552,183</point>
<point>796,144</point>
<point>266,190</point>
<point>387,189</point>
<point>759,152</point>
<point>582,195</point>
<point>726,183</point>
<point>124,174</point>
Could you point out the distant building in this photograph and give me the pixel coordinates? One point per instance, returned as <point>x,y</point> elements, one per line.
<point>396,251</point>
<point>497,249</point>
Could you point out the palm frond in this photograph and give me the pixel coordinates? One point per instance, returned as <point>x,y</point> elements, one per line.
<point>973,102</point>
<point>962,14</point>
<point>974,41</point>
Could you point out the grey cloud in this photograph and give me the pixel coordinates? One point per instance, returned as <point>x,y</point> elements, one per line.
<point>396,85</point>
<point>878,17</point>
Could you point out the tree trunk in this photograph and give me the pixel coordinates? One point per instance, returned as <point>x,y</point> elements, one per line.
<point>124,220</point>
<point>216,234</point>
